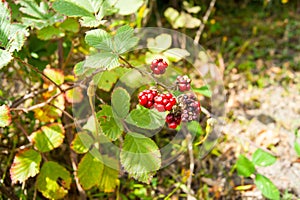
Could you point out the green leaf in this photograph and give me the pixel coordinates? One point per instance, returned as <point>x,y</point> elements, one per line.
<point>244,166</point>
<point>70,24</point>
<point>89,170</point>
<point>186,20</point>
<point>50,32</point>
<point>176,54</point>
<point>70,8</point>
<point>99,39</point>
<point>108,124</point>
<point>56,75</point>
<point>124,39</point>
<point>160,43</point>
<point>53,181</point>
<point>82,142</point>
<point>106,60</point>
<point>91,22</point>
<point>38,16</point>
<point>204,90</point>
<point>109,176</point>
<point>262,158</point>
<point>140,157</point>
<point>26,164</point>
<point>107,79</point>
<point>127,8</point>
<point>92,6</point>
<point>146,118</point>
<point>297,148</point>
<point>18,35</point>
<point>267,188</point>
<point>90,124</point>
<point>120,102</point>
<point>5,116</point>
<point>171,15</point>
<point>48,137</point>
<point>79,69</point>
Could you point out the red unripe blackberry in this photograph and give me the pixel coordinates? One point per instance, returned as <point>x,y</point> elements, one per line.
<point>146,98</point>
<point>164,102</point>
<point>183,83</point>
<point>158,66</point>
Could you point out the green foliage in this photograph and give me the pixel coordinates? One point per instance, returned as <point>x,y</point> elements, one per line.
<point>262,158</point>
<point>5,116</point>
<point>82,143</point>
<point>244,166</point>
<point>268,189</point>
<point>26,164</point>
<point>140,156</point>
<point>120,109</point>
<point>89,170</point>
<point>53,181</point>
<point>146,119</point>
<point>48,137</point>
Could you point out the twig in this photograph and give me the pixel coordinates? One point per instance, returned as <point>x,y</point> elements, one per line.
<point>65,112</point>
<point>68,56</point>
<point>22,99</point>
<point>22,129</point>
<point>192,164</point>
<point>204,21</point>
<point>38,71</point>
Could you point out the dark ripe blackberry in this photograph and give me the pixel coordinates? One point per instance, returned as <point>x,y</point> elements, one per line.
<point>158,66</point>
<point>173,119</point>
<point>190,107</point>
<point>183,83</point>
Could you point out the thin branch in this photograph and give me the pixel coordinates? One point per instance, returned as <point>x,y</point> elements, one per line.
<point>22,99</point>
<point>157,15</point>
<point>204,21</point>
<point>68,56</point>
<point>40,72</point>
<point>65,112</point>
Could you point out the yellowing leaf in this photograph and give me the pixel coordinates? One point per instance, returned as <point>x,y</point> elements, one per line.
<point>82,142</point>
<point>48,137</point>
<point>55,75</point>
<point>26,164</point>
<point>53,181</point>
<point>74,95</point>
<point>5,117</point>
<point>109,176</point>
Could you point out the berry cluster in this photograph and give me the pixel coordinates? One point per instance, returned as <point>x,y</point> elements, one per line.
<point>146,98</point>
<point>173,119</point>
<point>190,107</point>
<point>163,102</point>
<point>183,83</point>
<point>158,66</point>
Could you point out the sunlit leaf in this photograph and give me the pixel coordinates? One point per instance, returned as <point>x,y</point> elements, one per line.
<point>126,8</point>
<point>146,118</point>
<point>140,157</point>
<point>176,54</point>
<point>53,181</point>
<point>109,176</point>
<point>99,39</point>
<point>5,116</point>
<point>108,124</point>
<point>74,95</point>
<point>262,158</point>
<point>160,43</point>
<point>26,164</point>
<point>89,170</point>
<point>48,137</point>
<point>244,166</point>
<point>106,60</point>
<point>56,75</point>
<point>82,142</point>
<point>267,188</point>
<point>50,32</point>
<point>124,39</point>
<point>70,8</point>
